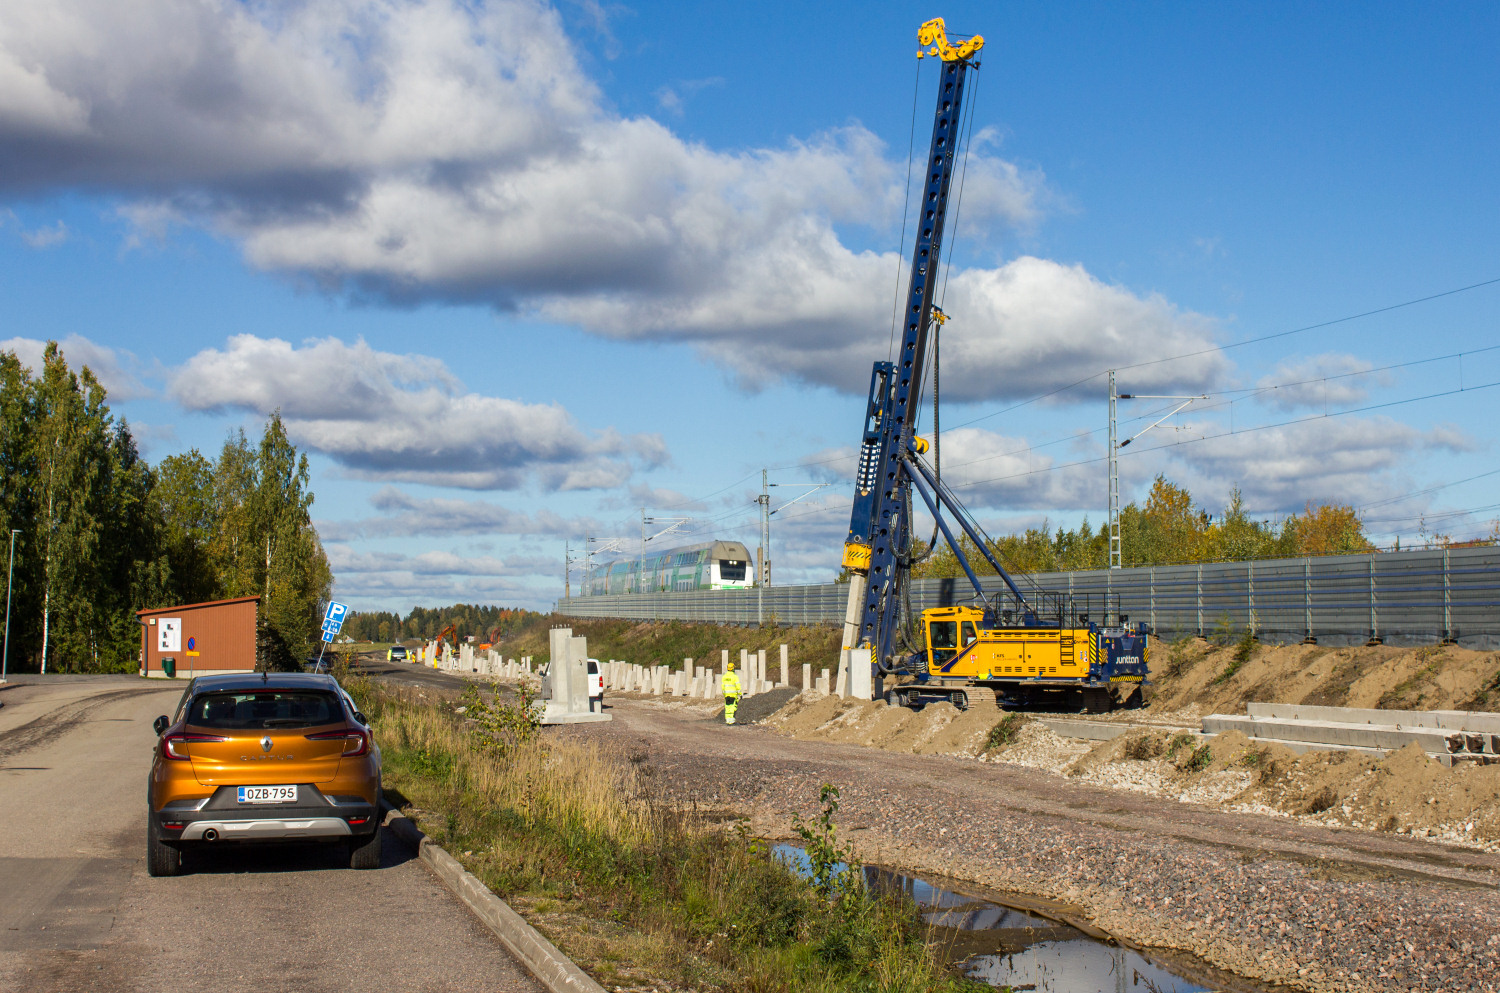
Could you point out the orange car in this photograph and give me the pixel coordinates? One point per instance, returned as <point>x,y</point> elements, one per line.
<point>263,757</point>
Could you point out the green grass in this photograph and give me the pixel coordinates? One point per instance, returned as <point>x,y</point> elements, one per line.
<point>639,891</point>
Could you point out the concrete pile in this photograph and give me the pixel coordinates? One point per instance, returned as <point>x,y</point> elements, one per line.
<point>565,690</point>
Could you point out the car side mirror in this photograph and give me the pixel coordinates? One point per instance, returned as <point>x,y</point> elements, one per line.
<point>362,718</point>
<point>161,724</point>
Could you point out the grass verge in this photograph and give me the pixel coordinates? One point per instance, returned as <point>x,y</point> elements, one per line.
<point>639,892</point>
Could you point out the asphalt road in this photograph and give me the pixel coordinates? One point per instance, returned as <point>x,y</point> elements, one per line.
<point>79,911</point>
<point>409,674</point>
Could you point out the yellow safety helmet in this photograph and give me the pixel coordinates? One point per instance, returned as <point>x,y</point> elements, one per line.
<point>730,667</point>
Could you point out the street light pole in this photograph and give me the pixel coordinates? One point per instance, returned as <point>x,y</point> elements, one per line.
<point>10,571</point>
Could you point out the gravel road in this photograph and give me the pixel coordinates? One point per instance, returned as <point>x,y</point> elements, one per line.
<point>80,912</point>
<point>1269,898</point>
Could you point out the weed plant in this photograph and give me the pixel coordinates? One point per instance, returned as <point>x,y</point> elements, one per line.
<point>1005,731</point>
<point>1243,649</point>
<point>639,891</point>
<point>1198,760</point>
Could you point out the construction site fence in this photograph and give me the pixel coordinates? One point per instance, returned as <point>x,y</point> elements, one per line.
<point>1398,598</point>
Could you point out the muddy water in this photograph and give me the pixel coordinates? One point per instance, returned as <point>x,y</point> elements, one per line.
<point>1004,946</point>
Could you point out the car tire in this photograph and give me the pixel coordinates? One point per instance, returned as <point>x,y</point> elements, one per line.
<point>364,852</point>
<point>162,859</point>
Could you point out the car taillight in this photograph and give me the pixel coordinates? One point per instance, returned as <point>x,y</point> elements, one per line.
<point>355,742</point>
<point>171,745</point>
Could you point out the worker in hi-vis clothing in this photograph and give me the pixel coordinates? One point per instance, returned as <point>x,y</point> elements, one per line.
<point>731,693</point>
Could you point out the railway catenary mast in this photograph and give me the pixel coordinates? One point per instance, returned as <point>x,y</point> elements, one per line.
<point>1083,653</point>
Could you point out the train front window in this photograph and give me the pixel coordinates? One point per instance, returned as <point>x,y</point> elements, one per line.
<point>731,571</point>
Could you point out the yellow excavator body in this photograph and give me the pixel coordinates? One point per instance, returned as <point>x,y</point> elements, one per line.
<point>960,647</point>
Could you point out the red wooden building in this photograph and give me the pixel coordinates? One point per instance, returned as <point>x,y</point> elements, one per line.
<point>198,638</point>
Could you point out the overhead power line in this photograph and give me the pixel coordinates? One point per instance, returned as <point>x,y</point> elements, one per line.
<point>1237,344</point>
<point>1226,434</point>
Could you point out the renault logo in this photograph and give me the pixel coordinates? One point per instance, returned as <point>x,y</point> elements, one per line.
<point>265,743</point>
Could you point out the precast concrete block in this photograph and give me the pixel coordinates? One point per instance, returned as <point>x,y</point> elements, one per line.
<point>1337,733</point>
<point>841,687</point>
<point>825,684</point>
<point>1486,722</point>
<point>807,680</point>
<point>786,670</point>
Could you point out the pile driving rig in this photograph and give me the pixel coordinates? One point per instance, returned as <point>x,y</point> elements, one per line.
<point>1047,648</point>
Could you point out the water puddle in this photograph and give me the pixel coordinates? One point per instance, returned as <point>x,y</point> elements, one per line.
<point>1005,946</point>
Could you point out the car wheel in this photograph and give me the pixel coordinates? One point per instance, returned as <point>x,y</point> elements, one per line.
<point>161,858</point>
<point>364,852</point>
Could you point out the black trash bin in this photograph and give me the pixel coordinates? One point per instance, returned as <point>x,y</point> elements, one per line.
<point>169,667</point>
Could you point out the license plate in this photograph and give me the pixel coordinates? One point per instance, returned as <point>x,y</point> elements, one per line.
<point>268,794</point>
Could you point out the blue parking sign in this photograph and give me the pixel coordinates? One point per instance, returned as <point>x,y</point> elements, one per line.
<point>333,619</point>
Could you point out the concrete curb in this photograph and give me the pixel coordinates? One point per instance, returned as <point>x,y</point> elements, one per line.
<point>540,957</point>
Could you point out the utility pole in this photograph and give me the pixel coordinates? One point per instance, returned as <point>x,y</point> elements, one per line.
<point>763,553</point>
<point>763,568</point>
<point>9,574</point>
<point>588,565</point>
<point>567,570</point>
<point>640,584</point>
<point>1114,478</point>
<point>1114,454</point>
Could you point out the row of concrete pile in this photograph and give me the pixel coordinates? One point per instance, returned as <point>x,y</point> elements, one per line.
<point>488,662</point>
<point>695,681</point>
<point>691,681</point>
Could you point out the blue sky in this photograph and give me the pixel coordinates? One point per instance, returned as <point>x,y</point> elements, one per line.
<point>513,271</point>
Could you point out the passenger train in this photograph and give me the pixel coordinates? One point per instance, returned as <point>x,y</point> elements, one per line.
<point>712,565</point>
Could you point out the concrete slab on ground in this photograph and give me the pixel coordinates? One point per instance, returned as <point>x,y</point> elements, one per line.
<point>1338,733</point>
<point>1448,720</point>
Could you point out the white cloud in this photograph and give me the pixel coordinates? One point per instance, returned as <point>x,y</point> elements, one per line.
<point>46,237</point>
<point>674,98</point>
<point>1345,460</point>
<point>996,471</point>
<point>412,150</point>
<point>114,368</point>
<point>406,516</point>
<point>1319,382</point>
<point>403,418</point>
<point>394,580</point>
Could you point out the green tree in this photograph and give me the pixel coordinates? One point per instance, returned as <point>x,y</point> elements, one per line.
<point>71,436</point>
<point>185,500</point>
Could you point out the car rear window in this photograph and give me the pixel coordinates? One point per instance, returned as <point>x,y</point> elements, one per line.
<point>265,709</point>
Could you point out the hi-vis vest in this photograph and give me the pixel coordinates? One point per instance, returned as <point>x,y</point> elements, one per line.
<point>731,684</point>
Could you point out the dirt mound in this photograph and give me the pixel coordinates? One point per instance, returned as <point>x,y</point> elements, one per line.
<point>1194,674</point>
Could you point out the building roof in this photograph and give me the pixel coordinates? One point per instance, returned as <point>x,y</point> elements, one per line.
<point>195,606</point>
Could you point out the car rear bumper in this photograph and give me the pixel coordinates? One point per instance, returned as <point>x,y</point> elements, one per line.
<point>314,815</point>
<point>267,829</point>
